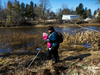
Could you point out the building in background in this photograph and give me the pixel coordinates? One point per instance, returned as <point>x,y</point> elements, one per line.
<point>69,17</point>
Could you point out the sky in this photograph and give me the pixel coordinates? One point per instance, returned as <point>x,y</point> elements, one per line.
<point>71,4</point>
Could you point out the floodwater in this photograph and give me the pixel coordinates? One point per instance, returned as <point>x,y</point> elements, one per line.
<point>38,30</point>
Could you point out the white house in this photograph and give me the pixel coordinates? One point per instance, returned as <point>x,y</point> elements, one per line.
<point>87,19</point>
<point>69,17</point>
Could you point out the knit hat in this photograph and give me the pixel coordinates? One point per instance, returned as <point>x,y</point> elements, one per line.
<point>50,28</point>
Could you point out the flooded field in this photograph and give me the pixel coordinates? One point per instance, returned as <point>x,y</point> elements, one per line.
<point>13,33</point>
<point>37,30</point>
<point>18,47</point>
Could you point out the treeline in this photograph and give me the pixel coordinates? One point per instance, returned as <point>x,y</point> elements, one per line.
<point>83,13</point>
<point>17,13</point>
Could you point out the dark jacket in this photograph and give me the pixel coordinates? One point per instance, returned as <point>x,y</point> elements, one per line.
<point>53,38</point>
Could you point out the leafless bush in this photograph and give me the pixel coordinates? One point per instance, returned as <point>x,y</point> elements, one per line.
<point>17,19</point>
<point>75,20</point>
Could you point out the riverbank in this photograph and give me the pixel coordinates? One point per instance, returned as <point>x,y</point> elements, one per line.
<point>55,25</point>
<point>91,24</point>
<point>75,58</point>
<point>75,25</point>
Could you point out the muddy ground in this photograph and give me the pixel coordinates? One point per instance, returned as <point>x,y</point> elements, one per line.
<point>72,62</point>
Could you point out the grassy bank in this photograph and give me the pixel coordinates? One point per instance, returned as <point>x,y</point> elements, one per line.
<point>75,59</point>
<point>90,24</point>
<point>56,25</point>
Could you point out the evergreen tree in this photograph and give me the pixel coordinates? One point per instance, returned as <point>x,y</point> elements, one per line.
<point>72,12</point>
<point>89,13</point>
<point>22,9</point>
<point>9,7</point>
<point>17,6</point>
<point>85,13</point>
<point>27,11</point>
<point>80,9</point>
<point>95,12</point>
<point>9,10</point>
<point>32,14</point>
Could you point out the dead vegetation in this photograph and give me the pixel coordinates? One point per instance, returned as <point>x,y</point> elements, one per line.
<point>75,59</point>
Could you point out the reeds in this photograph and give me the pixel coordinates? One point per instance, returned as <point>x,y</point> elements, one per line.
<point>19,40</point>
<point>16,63</point>
<point>93,38</point>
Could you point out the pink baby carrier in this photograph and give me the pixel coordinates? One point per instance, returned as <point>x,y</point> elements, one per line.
<point>45,36</point>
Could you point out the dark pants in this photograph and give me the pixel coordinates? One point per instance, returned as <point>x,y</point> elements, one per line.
<point>53,52</point>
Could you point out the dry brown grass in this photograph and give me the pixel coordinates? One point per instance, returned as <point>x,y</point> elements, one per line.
<point>20,40</point>
<point>75,59</point>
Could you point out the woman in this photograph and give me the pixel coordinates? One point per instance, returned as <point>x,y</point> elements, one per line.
<point>52,38</point>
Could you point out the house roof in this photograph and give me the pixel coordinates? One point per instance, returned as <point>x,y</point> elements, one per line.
<point>70,15</point>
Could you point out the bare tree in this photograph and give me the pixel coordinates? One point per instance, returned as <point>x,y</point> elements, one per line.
<point>64,6</point>
<point>39,12</point>
<point>45,6</point>
<point>59,13</point>
<point>98,1</point>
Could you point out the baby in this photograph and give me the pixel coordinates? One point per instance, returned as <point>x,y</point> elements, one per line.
<point>45,36</point>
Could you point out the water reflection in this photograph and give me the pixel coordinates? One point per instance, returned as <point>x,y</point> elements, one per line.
<point>87,45</point>
<point>74,30</point>
<point>32,30</point>
<point>6,50</point>
<point>71,30</point>
<point>40,30</point>
<point>93,27</point>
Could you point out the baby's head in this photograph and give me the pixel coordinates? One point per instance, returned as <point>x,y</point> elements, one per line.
<point>45,34</point>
